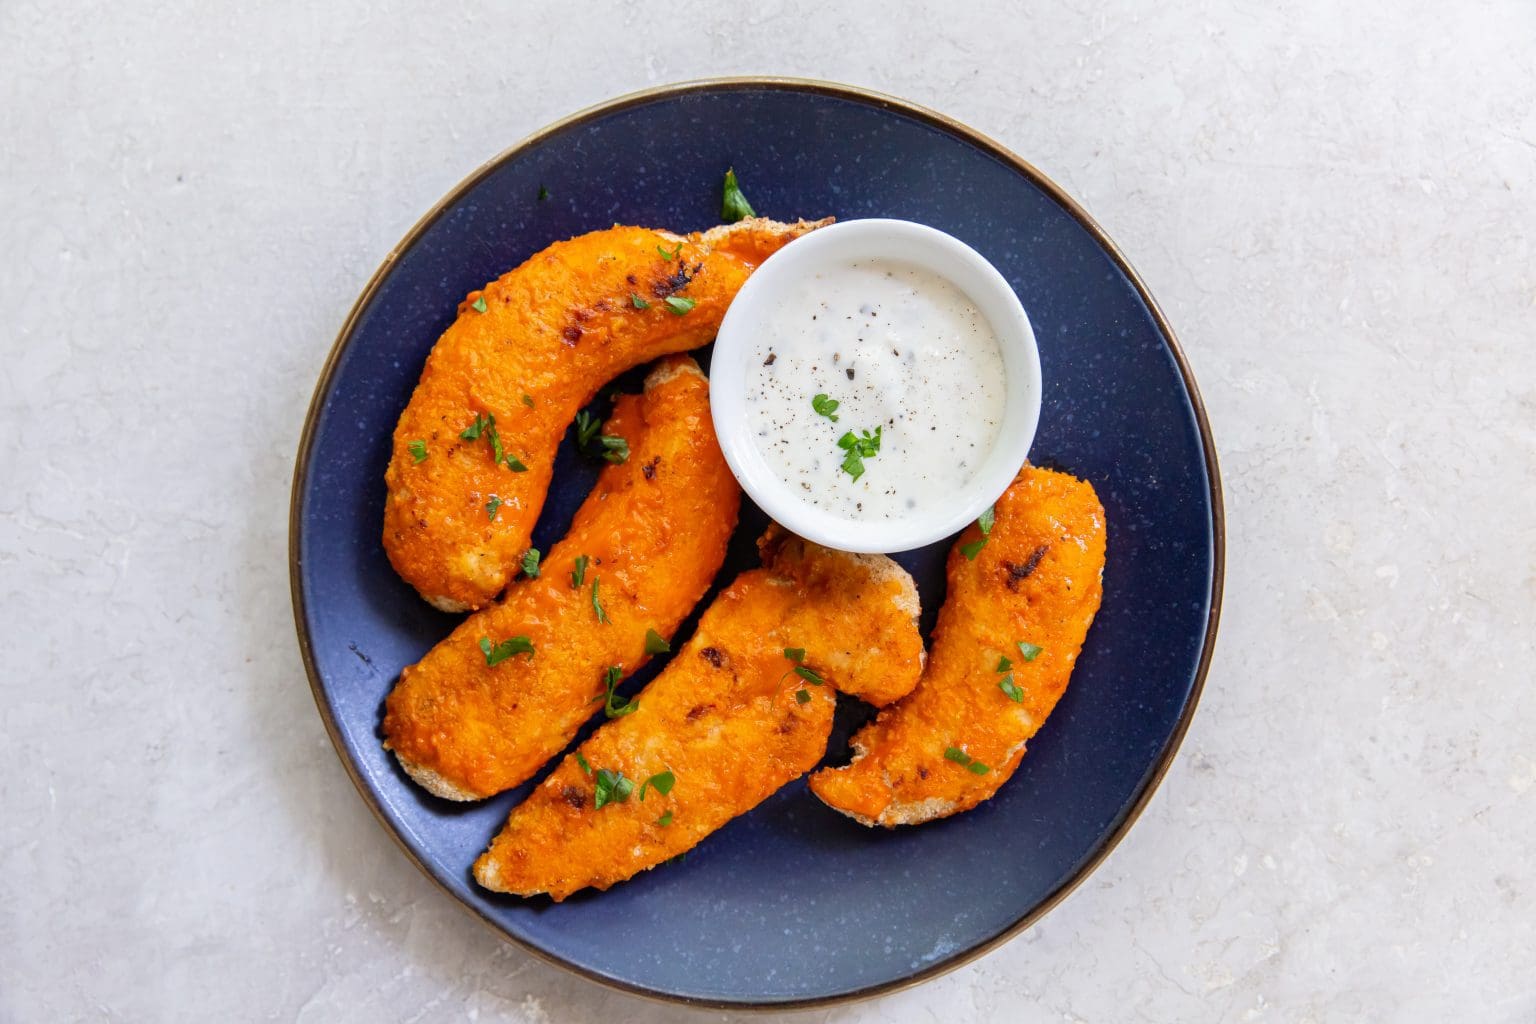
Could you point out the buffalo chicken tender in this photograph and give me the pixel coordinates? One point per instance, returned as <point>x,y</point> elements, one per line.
<point>643,548</point>
<point>729,721</point>
<point>1006,641</point>
<point>505,380</point>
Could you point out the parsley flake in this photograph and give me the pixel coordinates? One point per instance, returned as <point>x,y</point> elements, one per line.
<point>679,305</point>
<point>485,426</point>
<point>527,399</point>
<point>734,205</point>
<point>661,782</point>
<point>610,685</point>
<point>612,788</point>
<point>418,452</point>
<point>960,757</point>
<point>858,449</point>
<point>531,563</point>
<point>1011,688</point>
<point>597,605</point>
<point>587,427</point>
<point>478,305</point>
<point>655,643</point>
<point>615,449</point>
<point>825,406</point>
<point>474,430</point>
<point>1003,664</point>
<point>543,193</point>
<point>1029,650</point>
<point>670,255</point>
<point>665,819</point>
<point>587,768</point>
<point>495,654</point>
<point>803,696</point>
<point>638,302</point>
<point>797,655</point>
<point>579,574</point>
<point>491,508</point>
<point>984,523</point>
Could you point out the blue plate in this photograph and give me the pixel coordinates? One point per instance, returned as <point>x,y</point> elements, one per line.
<point>791,904</point>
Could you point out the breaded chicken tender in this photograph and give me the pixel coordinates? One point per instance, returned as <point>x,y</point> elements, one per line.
<point>505,380</point>
<point>743,708</point>
<point>643,548</point>
<point>1006,641</point>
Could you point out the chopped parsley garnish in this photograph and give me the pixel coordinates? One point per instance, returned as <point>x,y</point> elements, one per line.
<point>1003,664</point>
<point>531,563</point>
<point>655,643</point>
<point>473,431</point>
<point>797,655</point>
<point>587,427</point>
<point>858,449</point>
<point>1011,688</point>
<point>597,605</point>
<point>825,406</point>
<point>491,507</point>
<point>1029,650</point>
<point>984,523</point>
<point>527,399</point>
<point>579,574</point>
<point>495,654</point>
<point>661,782</point>
<point>583,762</point>
<point>986,520</point>
<point>611,788</point>
<point>679,305</point>
<point>478,305</point>
<point>615,449</point>
<point>543,193</point>
<point>610,684</point>
<point>803,696</point>
<point>485,426</point>
<point>636,301</point>
<point>734,205</point>
<point>418,451</point>
<point>672,254</point>
<point>665,819</point>
<point>960,757</point>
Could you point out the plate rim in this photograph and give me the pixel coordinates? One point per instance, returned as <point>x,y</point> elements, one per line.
<point>932,118</point>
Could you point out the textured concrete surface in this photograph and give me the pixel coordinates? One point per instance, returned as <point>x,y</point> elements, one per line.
<point>1334,205</point>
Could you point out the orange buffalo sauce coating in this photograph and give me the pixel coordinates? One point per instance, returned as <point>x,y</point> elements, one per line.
<point>654,530</point>
<point>530,350</point>
<point>1036,580</point>
<point>725,718</point>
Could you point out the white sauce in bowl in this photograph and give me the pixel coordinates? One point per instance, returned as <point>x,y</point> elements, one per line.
<point>899,348</point>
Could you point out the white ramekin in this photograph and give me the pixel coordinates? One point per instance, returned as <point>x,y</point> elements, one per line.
<point>905,242</point>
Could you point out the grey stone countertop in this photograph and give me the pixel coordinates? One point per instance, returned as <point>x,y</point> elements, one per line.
<point>1334,205</point>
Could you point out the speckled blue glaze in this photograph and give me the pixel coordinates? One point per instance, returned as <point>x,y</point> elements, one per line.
<point>791,903</point>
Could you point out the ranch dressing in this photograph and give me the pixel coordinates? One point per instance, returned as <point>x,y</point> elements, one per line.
<point>899,349</point>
